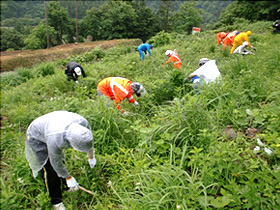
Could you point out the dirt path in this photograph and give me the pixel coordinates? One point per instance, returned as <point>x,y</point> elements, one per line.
<point>27,58</point>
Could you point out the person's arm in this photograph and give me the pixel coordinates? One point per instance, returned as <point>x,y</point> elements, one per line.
<point>191,75</point>
<point>130,98</point>
<point>247,39</point>
<point>197,72</point>
<point>91,158</point>
<point>56,160</point>
<point>149,51</point>
<point>83,72</point>
<point>218,39</point>
<point>70,76</point>
<point>170,59</point>
<point>91,154</point>
<point>233,48</point>
<point>75,76</point>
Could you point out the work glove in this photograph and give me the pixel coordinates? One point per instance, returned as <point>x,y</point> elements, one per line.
<point>252,47</point>
<point>72,184</point>
<point>136,103</point>
<point>92,162</point>
<point>77,82</point>
<point>125,113</point>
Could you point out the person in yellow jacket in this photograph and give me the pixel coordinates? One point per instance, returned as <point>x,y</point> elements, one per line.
<point>239,39</point>
<point>118,88</point>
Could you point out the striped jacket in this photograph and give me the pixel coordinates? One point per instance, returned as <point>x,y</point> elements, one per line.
<point>175,59</point>
<point>117,89</point>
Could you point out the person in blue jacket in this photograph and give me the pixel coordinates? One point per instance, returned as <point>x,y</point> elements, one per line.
<point>144,48</point>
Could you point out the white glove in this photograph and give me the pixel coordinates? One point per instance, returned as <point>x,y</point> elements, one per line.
<point>136,103</point>
<point>92,162</point>
<point>125,113</point>
<point>77,81</point>
<point>72,184</point>
<point>268,151</point>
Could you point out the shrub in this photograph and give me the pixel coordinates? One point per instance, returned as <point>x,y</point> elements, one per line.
<point>11,79</point>
<point>25,73</point>
<point>44,69</point>
<point>160,39</point>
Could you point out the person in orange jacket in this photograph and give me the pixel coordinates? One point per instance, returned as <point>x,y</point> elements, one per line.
<point>118,88</point>
<point>228,40</point>
<point>173,57</point>
<point>220,36</point>
<point>240,38</point>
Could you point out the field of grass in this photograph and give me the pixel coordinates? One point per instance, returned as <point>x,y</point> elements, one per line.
<point>174,151</point>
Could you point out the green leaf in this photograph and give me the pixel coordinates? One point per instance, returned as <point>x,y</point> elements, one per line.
<point>220,202</point>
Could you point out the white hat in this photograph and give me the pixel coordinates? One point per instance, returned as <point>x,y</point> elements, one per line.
<point>168,52</point>
<point>203,61</point>
<point>80,137</point>
<point>78,71</point>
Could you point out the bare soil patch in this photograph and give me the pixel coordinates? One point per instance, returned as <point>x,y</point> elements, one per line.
<point>27,58</point>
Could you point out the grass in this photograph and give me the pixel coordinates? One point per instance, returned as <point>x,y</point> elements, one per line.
<point>170,153</point>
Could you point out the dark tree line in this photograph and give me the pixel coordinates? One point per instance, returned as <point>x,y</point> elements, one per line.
<point>25,25</point>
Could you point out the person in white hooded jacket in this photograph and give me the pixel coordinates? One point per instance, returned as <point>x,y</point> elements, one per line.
<point>207,72</point>
<point>242,50</point>
<point>46,138</point>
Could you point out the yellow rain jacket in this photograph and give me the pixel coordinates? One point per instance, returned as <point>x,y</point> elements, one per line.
<point>239,39</point>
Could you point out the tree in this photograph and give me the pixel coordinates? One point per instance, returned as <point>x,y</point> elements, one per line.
<point>165,13</point>
<point>77,33</point>
<point>90,25</point>
<point>118,20</point>
<point>250,10</point>
<point>38,38</point>
<point>11,39</point>
<point>146,21</point>
<point>47,25</point>
<point>60,21</point>
<point>212,10</point>
<point>186,18</point>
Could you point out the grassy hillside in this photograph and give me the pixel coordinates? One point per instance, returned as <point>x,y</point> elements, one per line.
<point>177,150</point>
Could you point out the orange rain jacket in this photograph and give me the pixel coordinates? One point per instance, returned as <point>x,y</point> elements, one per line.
<point>117,89</point>
<point>239,39</point>
<point>228,41</point>
<point>176,59</point>
<point>220,37</point>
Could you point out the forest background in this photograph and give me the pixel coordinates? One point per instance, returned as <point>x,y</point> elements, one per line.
<point>23,25</point>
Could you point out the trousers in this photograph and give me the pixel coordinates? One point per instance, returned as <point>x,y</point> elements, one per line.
<point>54,185</point>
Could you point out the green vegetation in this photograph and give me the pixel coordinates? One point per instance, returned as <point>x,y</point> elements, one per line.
<point>172,151</point>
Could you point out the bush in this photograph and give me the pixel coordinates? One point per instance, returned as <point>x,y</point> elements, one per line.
<point>44,69</point>
<point>95,54</point>
<point>160,39</point>
<point>11,79</point>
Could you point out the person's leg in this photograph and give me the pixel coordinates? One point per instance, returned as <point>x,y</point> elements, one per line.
<point>196,83</point>
<point>141,54</point>
<point>52,183</point>
<point>233,47</point>
<point>109,101</point>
